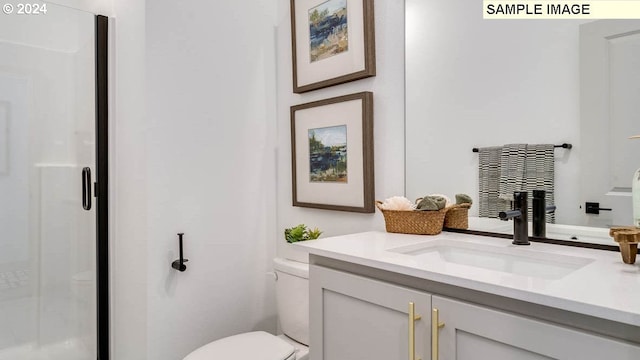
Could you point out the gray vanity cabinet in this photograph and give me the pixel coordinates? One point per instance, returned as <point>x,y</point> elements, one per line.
<point>357,318</point>
<point>475,332</point>
<point>354,317</point>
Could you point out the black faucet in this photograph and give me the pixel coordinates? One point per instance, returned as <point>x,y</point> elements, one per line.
<point>539,213</point>
<point>519,216</point>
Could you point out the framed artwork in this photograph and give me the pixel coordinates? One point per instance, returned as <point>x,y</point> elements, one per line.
<point>332,153</point>
<point>333,42</point>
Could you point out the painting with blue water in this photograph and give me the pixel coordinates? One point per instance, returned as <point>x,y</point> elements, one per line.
<point>328,154</point>
<point>328,30</point>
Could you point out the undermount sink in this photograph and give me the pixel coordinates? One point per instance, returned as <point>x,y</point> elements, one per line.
<point>509,260</point>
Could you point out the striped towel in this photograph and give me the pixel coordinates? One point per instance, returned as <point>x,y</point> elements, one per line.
<point>488,180</point>
<point>512,170</point>
<point>539,174</point>
<point>514,167</point>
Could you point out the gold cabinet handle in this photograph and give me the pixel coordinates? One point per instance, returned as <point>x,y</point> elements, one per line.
<point>435,327</point>
<point>412,330</point>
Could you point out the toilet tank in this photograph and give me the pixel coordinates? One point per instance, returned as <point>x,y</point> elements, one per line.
<point>292,298</point>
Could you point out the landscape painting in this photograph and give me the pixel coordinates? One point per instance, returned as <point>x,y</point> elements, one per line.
<point>328,29</point>
<point>328,154</point>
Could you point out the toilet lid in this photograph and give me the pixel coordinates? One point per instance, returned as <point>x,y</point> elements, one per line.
<point>257,345</point>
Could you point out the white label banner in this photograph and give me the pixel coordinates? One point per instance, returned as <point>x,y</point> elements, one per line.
<point>548,9</point>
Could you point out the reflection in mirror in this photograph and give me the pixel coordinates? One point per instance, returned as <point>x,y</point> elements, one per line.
<point>474,83</point>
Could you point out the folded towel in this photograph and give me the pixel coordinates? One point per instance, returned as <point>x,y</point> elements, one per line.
<point>463,199</point>
<point>445,197</point>
<point>432,203</point>
<point>427,204</point>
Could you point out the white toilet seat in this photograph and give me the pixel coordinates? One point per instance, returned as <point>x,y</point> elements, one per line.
<point>302,350</point>
<point>257,345</point>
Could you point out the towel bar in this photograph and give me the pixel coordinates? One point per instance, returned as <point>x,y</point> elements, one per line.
<point>564,146</point>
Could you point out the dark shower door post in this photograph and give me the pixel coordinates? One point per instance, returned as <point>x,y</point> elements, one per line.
<point>102,186</point>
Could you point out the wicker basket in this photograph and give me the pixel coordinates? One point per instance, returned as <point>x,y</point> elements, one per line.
<point>413,222</point>
<point>457,217</point>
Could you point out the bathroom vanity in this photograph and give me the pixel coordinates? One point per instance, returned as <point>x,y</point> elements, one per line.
<point>387,296</point>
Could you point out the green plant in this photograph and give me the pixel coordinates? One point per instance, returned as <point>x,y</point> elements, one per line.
<point>301,233</point>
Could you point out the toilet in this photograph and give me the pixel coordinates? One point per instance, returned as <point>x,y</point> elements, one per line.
<point>292,299</point>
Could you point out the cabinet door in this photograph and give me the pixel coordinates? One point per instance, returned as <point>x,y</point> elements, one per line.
<point>474,332</point>
<point>356,318</point>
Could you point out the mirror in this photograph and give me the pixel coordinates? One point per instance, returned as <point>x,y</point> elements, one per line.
<point>474,83</point>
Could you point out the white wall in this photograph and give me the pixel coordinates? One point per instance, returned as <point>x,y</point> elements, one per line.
<point>210,172</point>
<point>388,89</point>
<point>128,186</point>
<point>200,106</point>
<point>475,83</point>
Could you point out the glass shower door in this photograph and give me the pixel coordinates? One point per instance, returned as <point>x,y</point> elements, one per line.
<point>47,137</point>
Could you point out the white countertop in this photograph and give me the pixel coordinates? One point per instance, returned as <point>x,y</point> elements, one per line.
<point>603,286</point>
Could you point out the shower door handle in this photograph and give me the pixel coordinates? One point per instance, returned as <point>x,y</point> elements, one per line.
<point>86,188</point>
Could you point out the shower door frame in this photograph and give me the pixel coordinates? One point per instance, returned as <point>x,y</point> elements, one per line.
<point>101,187</point>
